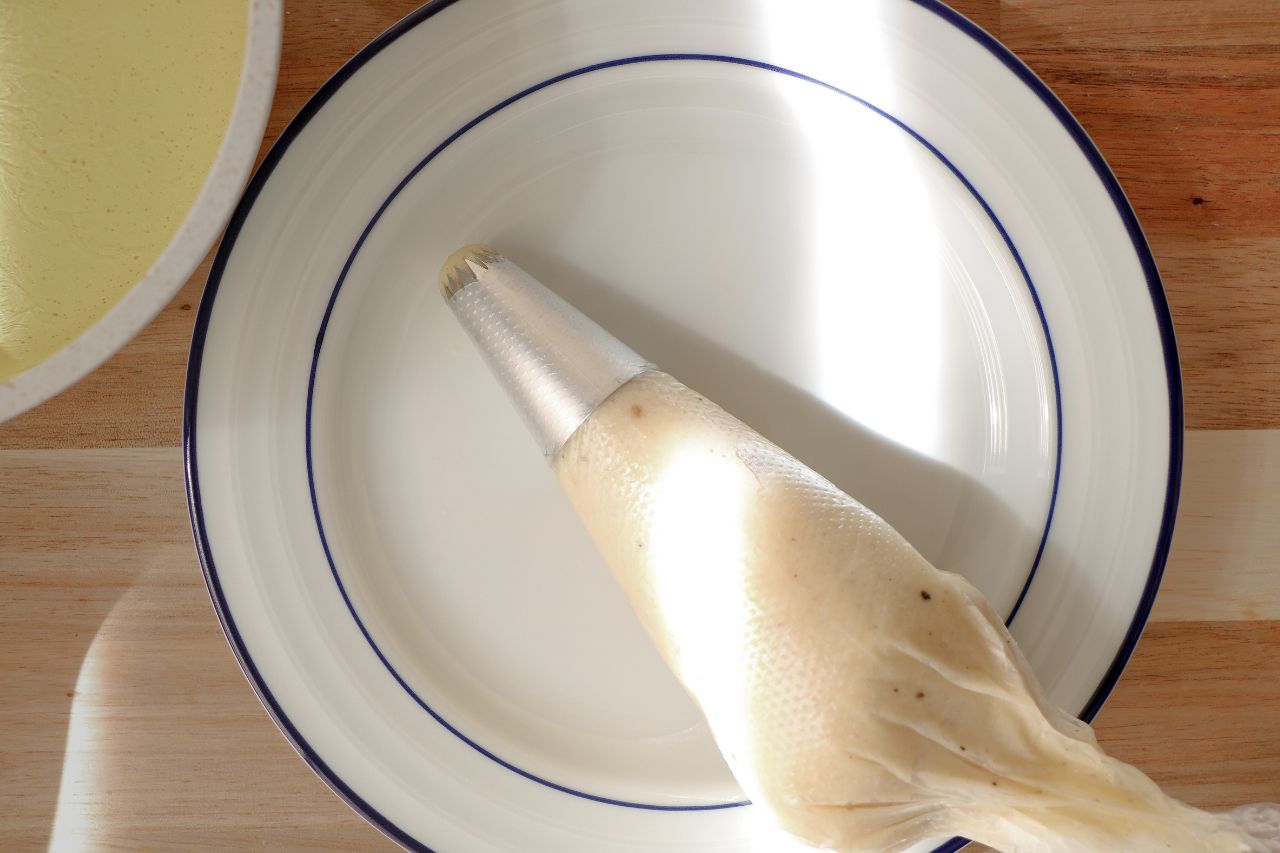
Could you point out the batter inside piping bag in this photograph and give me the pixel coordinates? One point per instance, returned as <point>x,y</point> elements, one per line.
<point>866,699</point>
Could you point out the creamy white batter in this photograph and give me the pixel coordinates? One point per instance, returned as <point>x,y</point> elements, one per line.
<point>868,700</point>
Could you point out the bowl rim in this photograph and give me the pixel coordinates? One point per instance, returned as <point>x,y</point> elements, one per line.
<point>191,241</point>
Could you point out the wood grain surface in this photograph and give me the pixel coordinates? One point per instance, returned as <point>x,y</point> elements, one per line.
<point>126,724</point>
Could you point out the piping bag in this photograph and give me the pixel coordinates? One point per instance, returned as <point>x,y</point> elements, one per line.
<point>865,699</point>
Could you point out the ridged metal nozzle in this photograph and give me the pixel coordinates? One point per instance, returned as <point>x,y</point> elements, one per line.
<point>556,364</point>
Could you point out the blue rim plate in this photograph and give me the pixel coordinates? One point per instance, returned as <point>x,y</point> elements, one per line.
<point>1142,337</point>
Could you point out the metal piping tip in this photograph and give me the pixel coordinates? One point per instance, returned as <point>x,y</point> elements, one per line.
<point>555,363</point>
<point>463,267</point>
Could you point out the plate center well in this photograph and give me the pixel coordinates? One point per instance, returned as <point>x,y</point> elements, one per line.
<point>781,247</point>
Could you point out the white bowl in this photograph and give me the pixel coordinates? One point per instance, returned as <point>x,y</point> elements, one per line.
<point>866,229</point>
<point>189,243</point>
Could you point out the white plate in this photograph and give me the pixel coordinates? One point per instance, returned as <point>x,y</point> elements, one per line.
<point>866,229</point>
<point>189,244</point>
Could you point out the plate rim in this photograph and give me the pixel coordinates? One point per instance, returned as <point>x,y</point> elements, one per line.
<point>1156,292</point>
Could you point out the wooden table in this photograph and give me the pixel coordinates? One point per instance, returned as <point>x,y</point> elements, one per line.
<point>125,723</point>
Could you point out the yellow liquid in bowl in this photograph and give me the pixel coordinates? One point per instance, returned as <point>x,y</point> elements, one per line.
<point>111,114</point>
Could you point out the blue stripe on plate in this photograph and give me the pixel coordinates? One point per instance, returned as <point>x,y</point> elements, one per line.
<point>422,164</point>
